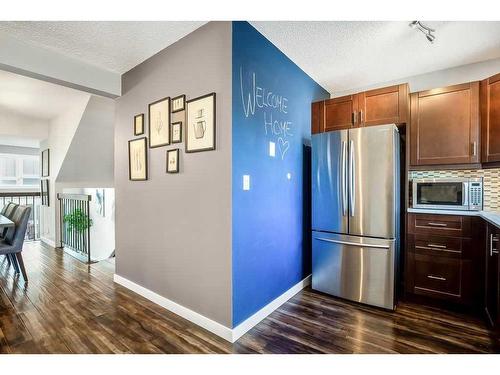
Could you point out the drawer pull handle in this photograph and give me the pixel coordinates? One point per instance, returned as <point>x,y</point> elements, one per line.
<point>347,243</point>
<point>431,248</point>
<point>493,238</point>
<point>438,224</point>
<point>436,246</point>
<point>436,277</point>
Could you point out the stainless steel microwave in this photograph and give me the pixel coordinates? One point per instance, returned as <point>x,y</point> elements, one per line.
<point>464,194</point>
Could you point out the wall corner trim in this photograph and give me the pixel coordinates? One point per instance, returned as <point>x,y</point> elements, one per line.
<point>218,329</point>
<point>260,315</point>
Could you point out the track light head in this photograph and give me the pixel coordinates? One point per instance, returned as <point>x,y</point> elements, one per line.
<point>427,31</point>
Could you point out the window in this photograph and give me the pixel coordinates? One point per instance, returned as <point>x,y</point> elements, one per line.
<point>19,171</point>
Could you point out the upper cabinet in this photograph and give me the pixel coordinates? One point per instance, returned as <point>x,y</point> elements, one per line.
<point>444,126</point>
<point>317,117</point>
<point>388,105</point>
<point>490,119</point>
<point>340,113</point>
<point>375,107</point>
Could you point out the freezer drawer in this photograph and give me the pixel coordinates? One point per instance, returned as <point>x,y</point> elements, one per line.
<point>356,268</point>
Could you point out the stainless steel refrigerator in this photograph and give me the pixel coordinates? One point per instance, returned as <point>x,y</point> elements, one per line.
<point>355,213</point>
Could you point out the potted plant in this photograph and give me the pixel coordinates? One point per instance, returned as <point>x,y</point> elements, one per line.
<point>79,222</point>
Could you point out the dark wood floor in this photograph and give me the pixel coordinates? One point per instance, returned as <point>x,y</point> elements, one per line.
<point>68,307</point>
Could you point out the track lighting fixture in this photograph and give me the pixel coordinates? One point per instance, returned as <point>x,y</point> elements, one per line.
<point>427,31</point>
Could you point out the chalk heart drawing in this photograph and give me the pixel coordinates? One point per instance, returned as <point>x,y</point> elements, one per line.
<point>283,146</point>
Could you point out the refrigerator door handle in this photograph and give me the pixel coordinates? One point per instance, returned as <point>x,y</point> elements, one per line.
<point>352,180</point>
<point>343,177</point>
<point>352,243</point>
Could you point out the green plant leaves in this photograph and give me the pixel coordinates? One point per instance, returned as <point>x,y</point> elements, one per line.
<point>78,220</point>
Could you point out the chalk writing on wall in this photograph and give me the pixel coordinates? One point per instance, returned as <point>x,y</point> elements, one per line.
<point>261,101</point>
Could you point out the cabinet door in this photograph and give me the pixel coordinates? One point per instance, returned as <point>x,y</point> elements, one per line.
<point>341,113</point>
<point>317,117</point>
<point>444,126</point>
<point>492,275</point>
<point>490,119</point>
<point>388,105</point>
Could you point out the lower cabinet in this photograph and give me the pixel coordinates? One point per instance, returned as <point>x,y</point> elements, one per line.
<point>492,279</point>
<point>444,257</point>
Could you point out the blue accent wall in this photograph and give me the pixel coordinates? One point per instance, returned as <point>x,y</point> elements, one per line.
<point>271,221</point>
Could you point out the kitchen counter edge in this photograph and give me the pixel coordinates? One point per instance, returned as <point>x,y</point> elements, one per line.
<point>489,216</point>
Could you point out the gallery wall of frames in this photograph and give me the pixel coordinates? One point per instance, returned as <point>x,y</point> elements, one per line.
<point>172,121</point>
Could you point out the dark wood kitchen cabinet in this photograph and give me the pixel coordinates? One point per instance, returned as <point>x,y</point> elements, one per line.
<point>444,126</point>
<point>490,119</point>
<point>340,113</point>
<point>388,105</point>
<point>317,117</point>
<point>444,255</point>
<point>492,276</point>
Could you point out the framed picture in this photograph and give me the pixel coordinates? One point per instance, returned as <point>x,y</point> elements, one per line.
<point>176,132</point>
<point>45,163</point>
<point>137,159</point>
<point>139,124</point>
<point>159,123</point>
<point>173,161</point>
<point>100,202</point>
<point>179,103</point>
<point>44,192</point>
<point>200,124</point>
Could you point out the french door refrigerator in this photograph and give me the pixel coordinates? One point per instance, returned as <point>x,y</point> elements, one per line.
<point>355,213</point>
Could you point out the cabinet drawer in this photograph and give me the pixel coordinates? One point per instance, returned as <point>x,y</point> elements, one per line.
<point>436,245</point>
<point>437,275</point>
<point>439,225</point>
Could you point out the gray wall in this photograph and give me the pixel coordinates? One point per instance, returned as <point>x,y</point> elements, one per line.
<point>89,160</point>
<point>173,232</point>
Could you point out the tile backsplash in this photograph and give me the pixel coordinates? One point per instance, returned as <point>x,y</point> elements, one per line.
<point>491,182</point>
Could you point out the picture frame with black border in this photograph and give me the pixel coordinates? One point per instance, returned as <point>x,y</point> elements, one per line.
<point>152,142</point>
<point>46,163</point>
<point>173,159</point>
<point>44,192</point>
<point>136,118</point>
<point>176,100</point>
<point>189,121</point>
<point>141,144</point>
<point>176,136</point>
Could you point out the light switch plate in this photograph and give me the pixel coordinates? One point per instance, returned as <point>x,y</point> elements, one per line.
<point>246,182</point>
<point>272,149</point>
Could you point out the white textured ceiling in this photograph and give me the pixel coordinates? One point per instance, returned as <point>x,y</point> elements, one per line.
<point>33,98</point>
<point>339,55</point>
<point>347,55</point>
<point>114,46</point>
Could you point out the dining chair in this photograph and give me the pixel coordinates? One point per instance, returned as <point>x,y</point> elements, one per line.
<point>7,210</point>
<point>11,208</point>
<point>12,244</point>
<point>5,206</point>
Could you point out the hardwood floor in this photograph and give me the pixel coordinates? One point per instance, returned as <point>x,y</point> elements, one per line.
<point>69,307</point>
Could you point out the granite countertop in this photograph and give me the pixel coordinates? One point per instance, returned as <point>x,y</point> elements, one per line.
<point>489,216</point>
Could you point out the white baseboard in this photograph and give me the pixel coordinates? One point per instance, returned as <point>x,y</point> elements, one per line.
<point>48,241</point>
<point>192,316</point>
<point>260,315</point>
<point>226,333</point>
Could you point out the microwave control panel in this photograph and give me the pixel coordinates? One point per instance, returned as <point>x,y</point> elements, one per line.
<point>475,196</point>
